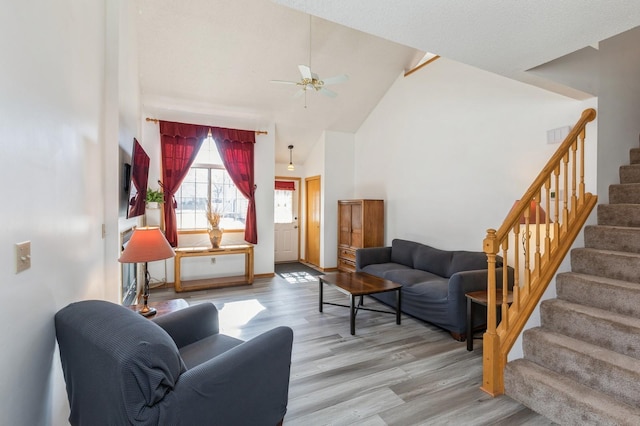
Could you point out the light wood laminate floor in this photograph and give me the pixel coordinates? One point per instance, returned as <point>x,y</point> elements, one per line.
<point>387,374</point>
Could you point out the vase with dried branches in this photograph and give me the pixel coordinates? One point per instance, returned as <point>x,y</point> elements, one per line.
<point>215,232</point>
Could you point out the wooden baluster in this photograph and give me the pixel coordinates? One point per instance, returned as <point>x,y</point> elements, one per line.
<point>565,209</point>
<point>547,228</point>
<point>574,180</point>
<point>505,286</point>
<point>556,206</point>
<point>526,248</point>
<point>581,188</point>
<point>516,261</point>
<point>537,252</point>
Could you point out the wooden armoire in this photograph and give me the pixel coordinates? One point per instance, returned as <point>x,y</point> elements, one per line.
<point>360,224</point>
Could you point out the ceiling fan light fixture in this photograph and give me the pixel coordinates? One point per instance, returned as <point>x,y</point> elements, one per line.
<point>290,167</point>
<point>310,81</point>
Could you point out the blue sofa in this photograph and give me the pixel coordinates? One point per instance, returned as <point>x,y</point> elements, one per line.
<point>434,282</point>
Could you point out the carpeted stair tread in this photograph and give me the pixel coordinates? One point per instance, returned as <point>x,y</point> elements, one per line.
<point>606,263</point>
<point>630,173</point>
<point>625,193</point>
<point>607,329</point>
<point>622,297</point>
<point>591,365</point>
<point>615,238</point>
<point>619,214</point>
<point>563,400</point>
<point>634,155</point>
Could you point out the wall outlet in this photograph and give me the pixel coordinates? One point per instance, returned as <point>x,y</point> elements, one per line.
<point>23,256</point>
<point>213,260</point>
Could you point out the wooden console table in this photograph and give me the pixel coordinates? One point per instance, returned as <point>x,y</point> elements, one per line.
<point>205,283</point>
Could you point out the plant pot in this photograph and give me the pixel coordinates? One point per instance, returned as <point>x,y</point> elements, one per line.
<point>215,235</point>
<point>152,204</point>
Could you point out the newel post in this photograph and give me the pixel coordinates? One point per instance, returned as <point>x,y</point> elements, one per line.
<point>492,372</point>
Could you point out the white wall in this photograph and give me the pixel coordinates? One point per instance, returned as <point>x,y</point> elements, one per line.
<point>619,106</point>
<point>450,149</point>
<point>57,121</point>
<point>338,185</point>
<point>331,158</point>
<point>314,166</point>
<point>123,125</point>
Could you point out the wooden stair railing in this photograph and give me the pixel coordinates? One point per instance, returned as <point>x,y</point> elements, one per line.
<point>545,239</point>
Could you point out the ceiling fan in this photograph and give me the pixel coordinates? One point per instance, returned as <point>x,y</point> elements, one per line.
<point>310,80</point>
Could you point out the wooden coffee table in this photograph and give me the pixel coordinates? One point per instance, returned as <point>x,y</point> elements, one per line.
<point>359,284</point>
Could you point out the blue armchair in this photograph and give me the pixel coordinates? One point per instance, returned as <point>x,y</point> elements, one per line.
<point>120,368</point>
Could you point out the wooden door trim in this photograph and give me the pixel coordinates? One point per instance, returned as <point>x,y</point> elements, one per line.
<point>299,181</point>
<point>306,212</point>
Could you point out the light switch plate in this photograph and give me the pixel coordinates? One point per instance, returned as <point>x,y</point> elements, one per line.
<point>23,256</point>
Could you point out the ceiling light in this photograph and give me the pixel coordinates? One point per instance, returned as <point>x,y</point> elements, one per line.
<point>290,166</point>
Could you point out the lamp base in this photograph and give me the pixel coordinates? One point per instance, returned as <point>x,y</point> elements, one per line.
<point>146,311</point>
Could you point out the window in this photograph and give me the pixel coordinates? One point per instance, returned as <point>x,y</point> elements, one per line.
<point>283,206</point>
<point>209,183</point>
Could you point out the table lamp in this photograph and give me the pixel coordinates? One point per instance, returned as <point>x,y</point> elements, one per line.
<point>147,244</point>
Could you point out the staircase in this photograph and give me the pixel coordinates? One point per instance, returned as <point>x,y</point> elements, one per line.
<point>582,366</point>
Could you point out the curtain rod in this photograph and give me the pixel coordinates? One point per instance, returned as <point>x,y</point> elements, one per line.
<point>258,132</point>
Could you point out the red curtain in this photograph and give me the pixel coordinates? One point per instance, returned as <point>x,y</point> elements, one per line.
<point>139,176</point>
<point>236,150</point>
<point>285,185</point>
<point>180,144</point>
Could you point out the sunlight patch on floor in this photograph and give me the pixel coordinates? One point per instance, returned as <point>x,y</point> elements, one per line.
<point>234,315</point>
<point>298,277</point>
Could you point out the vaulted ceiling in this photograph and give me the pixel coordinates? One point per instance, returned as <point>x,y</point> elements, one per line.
<point>217,57</point>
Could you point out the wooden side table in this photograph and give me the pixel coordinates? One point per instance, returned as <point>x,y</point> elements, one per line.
<point>200,284</point>
<point>162,308</point>
<point>481,298</point>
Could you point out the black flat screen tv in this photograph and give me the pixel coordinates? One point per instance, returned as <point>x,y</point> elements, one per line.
<point>139,177</point>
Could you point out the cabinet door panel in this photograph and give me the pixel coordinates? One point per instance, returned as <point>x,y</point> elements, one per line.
<point>356,225</point>
<point>344,235</point>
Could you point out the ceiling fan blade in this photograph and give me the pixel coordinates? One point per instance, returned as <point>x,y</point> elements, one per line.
<point>283,82</point>
<point>305,71</point>
<point>335,79</point>
<point>299,93</point>
<point>328,92</point>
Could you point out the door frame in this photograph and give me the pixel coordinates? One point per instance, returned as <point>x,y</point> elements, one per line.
<point>298,181</point>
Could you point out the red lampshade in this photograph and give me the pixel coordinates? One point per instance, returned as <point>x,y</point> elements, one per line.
<point>532,213</point>
<point>146,245</point>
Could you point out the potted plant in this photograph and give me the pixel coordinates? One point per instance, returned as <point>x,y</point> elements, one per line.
<point>154,197</point>
<point>215,232</point>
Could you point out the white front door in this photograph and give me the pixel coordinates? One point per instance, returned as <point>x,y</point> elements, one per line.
<point>286,223</point>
